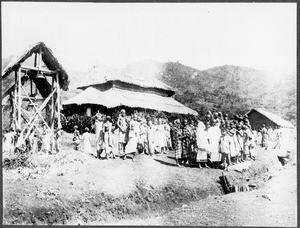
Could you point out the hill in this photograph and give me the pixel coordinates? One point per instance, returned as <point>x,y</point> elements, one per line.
<point>231,89</point>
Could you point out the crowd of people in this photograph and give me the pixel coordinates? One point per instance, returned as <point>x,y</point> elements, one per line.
<point>38,140</point>
<point>212,141</point>
<point>215,141</point>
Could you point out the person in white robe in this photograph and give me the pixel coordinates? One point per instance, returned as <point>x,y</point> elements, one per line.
<point>232,143</point>
<point>46,139</point>
<point>131,147</point>
<point>87,142</point>
<point>150,138</point>
<point>259,138</point>
<point>8,142</point>
<point>202,144</point>
<point>214,134</point>
<point>160,137</point>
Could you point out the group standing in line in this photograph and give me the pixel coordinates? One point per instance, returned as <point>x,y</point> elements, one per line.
<point>213,141</point>
<point>216,141</point>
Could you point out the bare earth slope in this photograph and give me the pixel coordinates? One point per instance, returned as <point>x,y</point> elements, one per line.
<point>75,188</point>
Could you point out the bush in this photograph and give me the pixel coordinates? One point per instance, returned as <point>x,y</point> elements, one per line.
<point>80,121</point>
<point>20,160</point>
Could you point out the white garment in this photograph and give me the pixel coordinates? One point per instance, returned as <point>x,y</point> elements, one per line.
<point>160,135</point>
<point>98,126</point>
<point>8,141</point>
<point>168,142</point>
<point>47,141</point>
<point>224,144</point>
<point>151,139</point>
<point>122,126</point>
<point>201,137</point>
<point>87,141</point>
<point>214,134</point>
<point>232,147</point>
<point>133,137</point>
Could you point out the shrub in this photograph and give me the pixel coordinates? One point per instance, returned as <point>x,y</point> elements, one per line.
<point>80,121</point>
<point>20,159</point>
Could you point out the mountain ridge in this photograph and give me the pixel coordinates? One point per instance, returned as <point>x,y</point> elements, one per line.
<point>230,88</point>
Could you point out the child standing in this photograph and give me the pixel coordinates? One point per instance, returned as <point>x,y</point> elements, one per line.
<point>224,149</point>
<point>35,141</point>
<point>8,141</point>
<point>76,137</point>
<point>87,141</point>
<point>47,141</point>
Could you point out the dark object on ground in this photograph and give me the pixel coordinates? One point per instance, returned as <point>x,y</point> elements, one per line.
<point>283,160</point>
<point>225,184</point>
<point>140,148</point>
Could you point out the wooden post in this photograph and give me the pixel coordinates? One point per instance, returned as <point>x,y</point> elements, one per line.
<point>31,87</point>
<point>15,102</point>
<point>35,107</point>
<point>40,57</point>
<point>58,101</point>
<point>35,59</point>
<point>19,99</point>
<point>52,106</point>
<point>52,118</point>
<point>34,117</point>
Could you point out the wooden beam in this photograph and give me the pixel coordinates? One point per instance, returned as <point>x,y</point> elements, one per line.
<point>34,117</point>
<point>35,59</point>
<point>35,107</point>
<point>58,101</point>
<point>19,99</point>
<point>27,120</point>
<point>52,117</point>
<point>26,68</point>
<point>25,98</point>
<point>31,87</point>
<point>40,57</point>
<point>15,102</point>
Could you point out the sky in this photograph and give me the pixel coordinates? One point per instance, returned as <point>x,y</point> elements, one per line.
<point>201,35</point>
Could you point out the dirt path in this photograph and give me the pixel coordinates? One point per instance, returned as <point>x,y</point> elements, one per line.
<point>273,205</point>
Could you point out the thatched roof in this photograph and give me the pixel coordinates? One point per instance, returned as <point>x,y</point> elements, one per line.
<point>273,117</point>
<point>115,97</point>
<point>47,57</point>
<point>102,74</point>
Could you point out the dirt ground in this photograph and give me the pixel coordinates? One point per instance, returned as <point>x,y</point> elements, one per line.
<point>75,188</point>
<point>273,205</point>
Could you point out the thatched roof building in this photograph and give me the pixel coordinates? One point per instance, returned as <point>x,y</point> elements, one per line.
<point>116,97</point>
<point>258,117</point>
<point>113,89</point>
<point>103,77</point>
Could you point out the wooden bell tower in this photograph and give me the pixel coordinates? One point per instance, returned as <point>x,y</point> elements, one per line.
<point>49,104</point>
